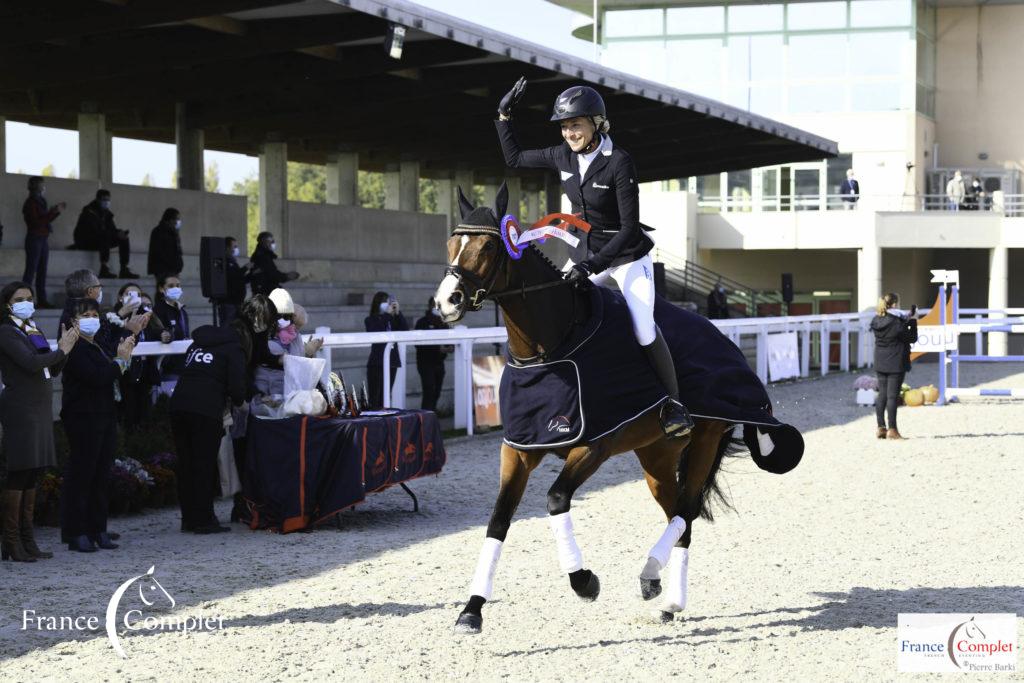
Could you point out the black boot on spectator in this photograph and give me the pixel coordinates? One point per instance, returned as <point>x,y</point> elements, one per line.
<point>82,544</point>
<point>102,539</point>
<point>106,272</point>
<point>212,527</point>
<point>127,274</point>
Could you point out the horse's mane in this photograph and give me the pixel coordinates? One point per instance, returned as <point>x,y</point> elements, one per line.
<point>537,255</point>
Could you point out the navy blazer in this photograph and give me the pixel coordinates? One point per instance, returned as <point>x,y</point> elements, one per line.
<point>608,197</point>
<point>845,189</point>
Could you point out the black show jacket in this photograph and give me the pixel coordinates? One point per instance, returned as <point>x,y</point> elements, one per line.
<point>608,198</point>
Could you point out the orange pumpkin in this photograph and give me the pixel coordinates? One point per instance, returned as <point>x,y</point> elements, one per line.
<point>931,394</point>
<point>914,397</point>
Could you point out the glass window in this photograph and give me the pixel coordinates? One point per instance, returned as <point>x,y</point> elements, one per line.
<point>925,60</point>
<point>806,188</point>
<point>926,100</point>
<point>739,184</point>
<point>633,22</point>
<point>770,189</point>
<point>835,171</point>
<point>685,21</point>
<point>876,96</point>
<point>817,56</point>
<point>816,15</point>
<point>709,186</point>
<point>755,58</point>
<point>880,13</point>
<point>755,18</point>
<point>877,54</point>
<point>825,97</point>
<point>645,58</point>
<point>695,65</point>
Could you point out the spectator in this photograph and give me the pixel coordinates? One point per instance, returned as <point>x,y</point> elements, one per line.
<point>430,359</point>
<point>83,284</point>
<point>26,413</point>
<point>265,277</point>
<point>894,333</point>
<point>38,218</point>
<point>385,316</point>
<point>165,246</point>
<point>174,318</point>
<point>955,191</point>
<point>89,418</point>
<point>850,190</point>
<point>718,304</point>
<point>975,196</point>
<point>143,374</point>
<point>300,348</point>
<point>95,231</point>
<point>227,308</point>
<point>269,374</point>
<point>213,373</point>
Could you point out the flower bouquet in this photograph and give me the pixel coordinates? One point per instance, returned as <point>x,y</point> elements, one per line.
<point>867,390</point>
<point>129,486</point>
<point>165,489</point>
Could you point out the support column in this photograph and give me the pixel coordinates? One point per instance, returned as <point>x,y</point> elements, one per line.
<point>463,179</point>
<point>343,179</point>
<point>446,203</point>
<point>402,187</point>
<point>189,142</point>
<point>274,192</point>
<point>490,194</point>
<point>553,191</point>
<point>3,145</point>
<point>998,295</point>
<point>869,277</point>
<point>94,148</point>
<point>532,206</point>
<point>515,194</point>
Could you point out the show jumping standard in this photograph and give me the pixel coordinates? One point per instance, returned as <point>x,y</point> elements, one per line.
<point>542,312</point>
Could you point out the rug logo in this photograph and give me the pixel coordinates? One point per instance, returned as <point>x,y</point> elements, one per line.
<point>559,424</point>
<point>957,642</point>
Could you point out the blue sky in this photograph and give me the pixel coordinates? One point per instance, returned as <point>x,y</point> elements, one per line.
<point>30,148</point>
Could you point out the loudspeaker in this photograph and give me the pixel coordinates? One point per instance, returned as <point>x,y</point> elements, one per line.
<point>213,267</point>
<point>659,279</point>
<point>787,287</point>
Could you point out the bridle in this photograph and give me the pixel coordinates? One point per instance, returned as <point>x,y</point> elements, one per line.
<point>482,288</point>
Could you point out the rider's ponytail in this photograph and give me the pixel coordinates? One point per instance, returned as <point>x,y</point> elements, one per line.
<point>887,302</point>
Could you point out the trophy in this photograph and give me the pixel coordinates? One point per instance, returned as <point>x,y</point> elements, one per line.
<point>366,398</point>
<point>354,405</point>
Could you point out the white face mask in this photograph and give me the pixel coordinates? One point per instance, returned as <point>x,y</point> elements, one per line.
<point>23,310</point>
<point>273,246</point>
<point>235,252</point>
<point>282,323</point>
<point>177,224</point>
<point>130,298</point>
<point>436,311</point>
<point>89,326</point>
<point>383,307</point>
<point>99,297</point>
<point>173,293</point>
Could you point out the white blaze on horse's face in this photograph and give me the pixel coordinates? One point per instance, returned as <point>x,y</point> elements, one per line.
<point>448,296</point>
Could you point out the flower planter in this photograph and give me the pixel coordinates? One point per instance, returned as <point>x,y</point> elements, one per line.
<point>866,397</point>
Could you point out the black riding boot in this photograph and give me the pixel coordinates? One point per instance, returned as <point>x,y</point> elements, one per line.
<point>675,419</point>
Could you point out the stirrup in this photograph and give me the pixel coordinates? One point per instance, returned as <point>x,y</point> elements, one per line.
<point>675,419</point>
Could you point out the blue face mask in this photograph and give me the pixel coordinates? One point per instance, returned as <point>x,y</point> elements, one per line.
<point>173,293</point>
<point>23,310</point>
<point>105,204</point>
<point>89,326</point>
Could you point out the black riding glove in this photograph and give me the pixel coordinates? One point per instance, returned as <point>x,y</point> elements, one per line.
<point>579,272</point>
<point>512,98</point>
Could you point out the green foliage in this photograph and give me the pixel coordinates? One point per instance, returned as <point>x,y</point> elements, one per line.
<point>371,190</point>
<point>48,171</point>
<point>147,180</point>
<point>249,187</point>
<point>307,182</point>
<point>212,180</point>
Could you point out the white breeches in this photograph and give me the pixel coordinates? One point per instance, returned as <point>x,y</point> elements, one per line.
<point>636,282</point>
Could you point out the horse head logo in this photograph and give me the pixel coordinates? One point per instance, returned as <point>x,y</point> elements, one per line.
<point>971,631</point>
<point>150,592</point>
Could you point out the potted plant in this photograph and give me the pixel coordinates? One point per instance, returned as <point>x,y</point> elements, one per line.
<point>867,390</point>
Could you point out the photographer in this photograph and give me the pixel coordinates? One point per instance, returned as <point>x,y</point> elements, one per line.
<point>385,316</point>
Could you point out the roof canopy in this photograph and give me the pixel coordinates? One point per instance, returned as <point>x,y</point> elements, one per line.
<point>315,74</point>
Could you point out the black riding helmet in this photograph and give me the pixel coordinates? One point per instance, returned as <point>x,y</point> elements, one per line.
<point>578,100</point>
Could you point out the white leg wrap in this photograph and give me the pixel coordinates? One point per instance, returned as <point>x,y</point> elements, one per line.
<point>675,591</point>
<point>483,577</point>
<point>570,559</point>
<point>660,551</point>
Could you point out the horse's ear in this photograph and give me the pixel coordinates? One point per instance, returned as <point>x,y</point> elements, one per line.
<point>465,206</point>
<point>501,201</point>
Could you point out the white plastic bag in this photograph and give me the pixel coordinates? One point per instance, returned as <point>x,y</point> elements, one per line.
<point>301,374</point>
<point>230,484</point>
<point>305,402</point>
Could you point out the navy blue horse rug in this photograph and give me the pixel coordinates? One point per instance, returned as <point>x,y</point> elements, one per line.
<point>600,380</point>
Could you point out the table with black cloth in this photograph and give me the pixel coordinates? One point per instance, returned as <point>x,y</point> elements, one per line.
<point>300,471</point>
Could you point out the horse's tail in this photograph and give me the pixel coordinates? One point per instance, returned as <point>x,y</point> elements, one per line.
<point>711,492</point>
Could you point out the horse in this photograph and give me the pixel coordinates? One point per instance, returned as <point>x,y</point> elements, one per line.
<point>540,312</point>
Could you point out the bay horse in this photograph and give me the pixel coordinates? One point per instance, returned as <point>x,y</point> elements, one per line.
<point>540,311</point>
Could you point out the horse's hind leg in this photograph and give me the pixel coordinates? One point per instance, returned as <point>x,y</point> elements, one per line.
<point>660,462</point>
<point>516,467</point>
<point>580,463</point>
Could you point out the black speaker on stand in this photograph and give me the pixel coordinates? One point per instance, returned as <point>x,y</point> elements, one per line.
<point>787,289</point>
<point>213,270</point>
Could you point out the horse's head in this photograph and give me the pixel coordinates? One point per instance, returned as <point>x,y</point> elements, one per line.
<point>475,257</point>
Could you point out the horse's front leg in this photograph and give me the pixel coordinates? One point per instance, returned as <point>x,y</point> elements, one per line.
<point>516,467</point>
<point>660,463</point>
<point>580,463</point>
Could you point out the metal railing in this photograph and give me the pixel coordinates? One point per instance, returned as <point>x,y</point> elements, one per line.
<point>1005,204</point>
<point>688,281</point>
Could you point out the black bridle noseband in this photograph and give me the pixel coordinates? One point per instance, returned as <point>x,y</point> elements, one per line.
<point>482,291</point>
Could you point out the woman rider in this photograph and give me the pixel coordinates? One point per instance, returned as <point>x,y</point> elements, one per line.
<point>600,181</point>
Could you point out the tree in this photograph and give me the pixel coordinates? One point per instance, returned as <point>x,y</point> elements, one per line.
<point>307,182</point>
<point>212,180</point>
<point>48,171</point>
<point>147,180</point>
<point>249,187</point>
<point>371,190</point>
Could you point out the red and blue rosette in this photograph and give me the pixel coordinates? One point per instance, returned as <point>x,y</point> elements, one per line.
<point>510,237</point>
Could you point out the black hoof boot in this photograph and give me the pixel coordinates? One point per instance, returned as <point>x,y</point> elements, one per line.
<point>675,419</point>
<point>667,617</point>
<point>586,584</point>
<point>469,623</point>
<point>650,588</point>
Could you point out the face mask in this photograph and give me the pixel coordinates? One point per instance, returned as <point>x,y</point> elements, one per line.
<point>282,323</point>
<point>383,307</point>
<point>173,293</point>
<point>99,297</point>
<point>235,252</point>
<point>273,246</point>
<point>89,326</point>
<point>436,311</point>
<point>105,205</point>
<point>177,224</point>
<point>130,298</point>
<point>287,335</point>
<point>23,310</point>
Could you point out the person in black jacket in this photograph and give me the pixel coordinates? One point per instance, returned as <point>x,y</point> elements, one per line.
<point>601,182</point>
<point>894,333</point>
<point>165,246</point>
<point>385,316</point>
<point>264,276</point>
<point>237,276</point>
<point>212,376</point>
<point>430,359</point>
<point>95,231</point>
<point>89,417</point>
<point>718,304</point>
<point>174,318</point>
